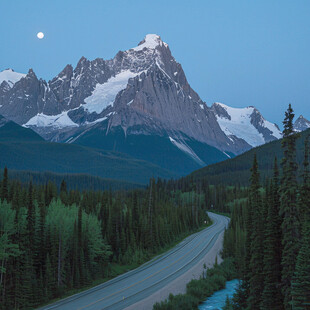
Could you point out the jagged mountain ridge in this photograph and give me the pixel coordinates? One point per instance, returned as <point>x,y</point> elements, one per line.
<point>143,91</point>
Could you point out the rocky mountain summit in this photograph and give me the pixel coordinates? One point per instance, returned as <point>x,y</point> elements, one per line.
<point>301,124</point>
<point>141,92</point>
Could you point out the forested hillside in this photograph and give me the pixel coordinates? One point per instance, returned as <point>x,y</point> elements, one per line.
<point>74,181</point>
<point>237,170</point>
<point>23,149</point>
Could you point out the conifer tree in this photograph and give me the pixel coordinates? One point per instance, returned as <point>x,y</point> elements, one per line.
<point>301,279</point>
<point>80,244</point>
<point>244,288</point>
<point>256,281</point>
<point>63,192</point>
<point>4,189</point>
<point>272,249</point>
<point>288,208</point>
<point>304,193</point>
<point>30,217</point>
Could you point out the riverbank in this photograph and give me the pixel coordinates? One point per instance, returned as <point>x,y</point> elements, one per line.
<point>197,290</point>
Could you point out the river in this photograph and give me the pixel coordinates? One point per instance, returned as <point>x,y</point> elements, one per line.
<point>217,300</point>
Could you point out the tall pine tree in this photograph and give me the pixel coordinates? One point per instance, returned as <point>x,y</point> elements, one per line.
<point>256,281</point>
<point>304,193</point>
<point>4,189</point>
<point>301,279</point>
<point>272,249</point>
<point>288,208</point>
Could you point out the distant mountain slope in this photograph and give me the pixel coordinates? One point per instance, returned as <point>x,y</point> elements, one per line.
<point>10,131</point>
<point>181,155</point>
<point>237,170</point>
<point>23,149</point>
<point>63,158</point>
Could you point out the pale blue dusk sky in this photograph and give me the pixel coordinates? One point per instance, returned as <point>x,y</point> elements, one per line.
<point>238,52</point>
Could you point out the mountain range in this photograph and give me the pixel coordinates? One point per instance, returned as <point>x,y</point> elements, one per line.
<point>140,104</point>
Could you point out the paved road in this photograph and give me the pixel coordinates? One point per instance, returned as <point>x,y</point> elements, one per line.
<point>140,283</point>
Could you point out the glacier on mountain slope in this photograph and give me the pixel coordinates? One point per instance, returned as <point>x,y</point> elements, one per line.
<point>10,76</point>
<point>57,121</point>
<point>104,94</point>
<point>240,125</point>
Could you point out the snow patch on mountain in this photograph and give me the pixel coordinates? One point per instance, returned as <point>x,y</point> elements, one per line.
<point>10,76</point>
<point>226,154</point>
<point>57,121</point>
<point>240,125</point>
<point>273,128</point>
<point>187,150</point>
<point>104,94</point>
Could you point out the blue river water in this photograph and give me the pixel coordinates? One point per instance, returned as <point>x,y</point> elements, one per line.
<point>217,300</point>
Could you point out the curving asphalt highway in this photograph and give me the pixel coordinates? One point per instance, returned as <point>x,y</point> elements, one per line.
<point>142,282</point>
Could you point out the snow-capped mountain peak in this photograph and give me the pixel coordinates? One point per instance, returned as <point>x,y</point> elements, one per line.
<point>245,123</point>
<point>151,41</point>
<point>10,76</point>
<point>301,124</point>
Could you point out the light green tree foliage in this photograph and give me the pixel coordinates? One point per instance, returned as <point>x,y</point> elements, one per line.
<point>60,226</point>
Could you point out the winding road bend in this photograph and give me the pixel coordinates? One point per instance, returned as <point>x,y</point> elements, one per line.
<point>136,285</point>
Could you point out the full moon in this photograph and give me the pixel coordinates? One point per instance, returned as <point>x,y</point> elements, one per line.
<point>40,35</point>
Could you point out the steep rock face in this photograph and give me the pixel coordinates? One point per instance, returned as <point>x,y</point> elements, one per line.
<point>301,124</point>
<point>245,123</point>
<point>24,99</point>
<point>71,87</point>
